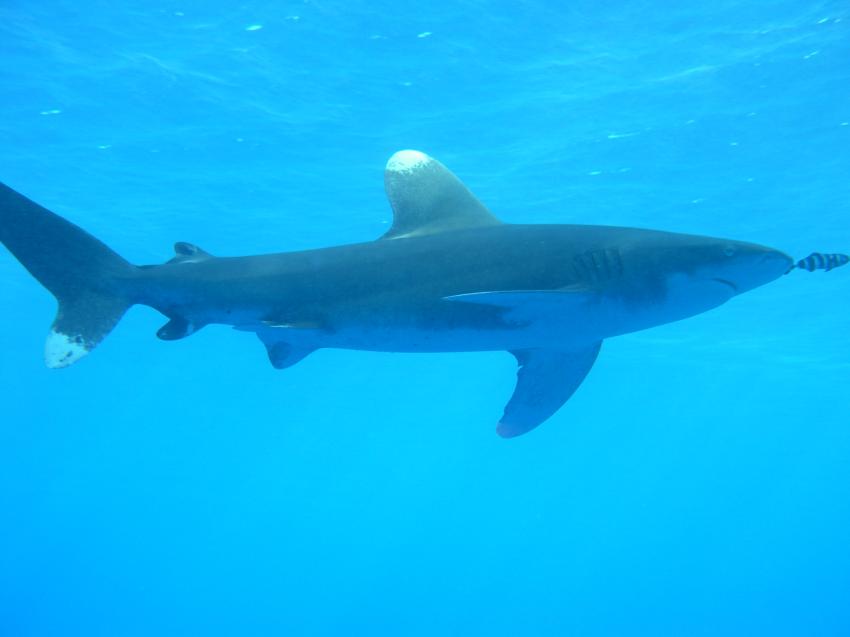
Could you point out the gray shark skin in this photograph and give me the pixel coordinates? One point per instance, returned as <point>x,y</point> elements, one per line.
<point>447,277</point>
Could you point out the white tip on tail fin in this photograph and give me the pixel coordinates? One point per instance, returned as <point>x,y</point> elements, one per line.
<point>87,278</point>
<point>62,350</point>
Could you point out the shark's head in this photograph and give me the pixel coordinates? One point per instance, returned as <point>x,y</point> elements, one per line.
<point>745,266</point>
<point>693,274</point>
<point>739,266</point>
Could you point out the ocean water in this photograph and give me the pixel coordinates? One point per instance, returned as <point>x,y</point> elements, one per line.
<point>697,484</point>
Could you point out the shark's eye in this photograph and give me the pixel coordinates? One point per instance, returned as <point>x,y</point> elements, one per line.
<point>729,251</point>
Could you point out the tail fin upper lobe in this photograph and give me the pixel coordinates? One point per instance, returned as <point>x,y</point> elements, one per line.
<point>88,279</point>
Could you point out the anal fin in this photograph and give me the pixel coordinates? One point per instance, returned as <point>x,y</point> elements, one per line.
<point>177,328</point>
<point>282,353</point>
<point>546,379</point>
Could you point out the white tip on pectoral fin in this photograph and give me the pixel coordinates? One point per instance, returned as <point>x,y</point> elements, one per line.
<point>62,350</point>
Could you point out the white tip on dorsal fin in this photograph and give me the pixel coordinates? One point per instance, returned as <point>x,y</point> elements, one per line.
<point>427,198</point>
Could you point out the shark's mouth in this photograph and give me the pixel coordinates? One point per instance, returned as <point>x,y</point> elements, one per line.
<point>727,282</point>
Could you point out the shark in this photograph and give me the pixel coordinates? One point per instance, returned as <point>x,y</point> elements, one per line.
<point>448,276</point>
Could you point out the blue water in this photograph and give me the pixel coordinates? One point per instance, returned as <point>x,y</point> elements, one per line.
<point>697,484</point>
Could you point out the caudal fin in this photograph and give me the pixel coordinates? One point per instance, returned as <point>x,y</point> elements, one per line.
<point>89,280</point>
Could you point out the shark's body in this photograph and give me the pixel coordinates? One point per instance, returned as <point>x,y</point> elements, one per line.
<point>408,295</point>
<point>447,277</point>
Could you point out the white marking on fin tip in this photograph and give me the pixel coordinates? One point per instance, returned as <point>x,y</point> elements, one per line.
<point>62,350</point>
<point>406,161</point>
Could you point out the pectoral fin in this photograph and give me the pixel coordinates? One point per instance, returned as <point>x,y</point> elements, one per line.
<point>283,355</point>
<point>546,379</point>
<point>531,305</point>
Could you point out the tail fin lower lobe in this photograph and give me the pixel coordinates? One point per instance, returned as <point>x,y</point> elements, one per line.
<point>88,279</point>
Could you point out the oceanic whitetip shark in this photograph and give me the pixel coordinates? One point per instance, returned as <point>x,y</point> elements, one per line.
<point>447,277</point>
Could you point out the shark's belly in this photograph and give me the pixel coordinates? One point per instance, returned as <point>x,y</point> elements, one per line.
<point>453,340</point>
<point>536,320</point>
<point>459,329</point>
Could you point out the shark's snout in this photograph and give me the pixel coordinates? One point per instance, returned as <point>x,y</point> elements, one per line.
<point>750,266</point>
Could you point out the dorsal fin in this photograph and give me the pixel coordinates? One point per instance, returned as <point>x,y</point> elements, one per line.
<point>427,198</point>
<point>189,253</point>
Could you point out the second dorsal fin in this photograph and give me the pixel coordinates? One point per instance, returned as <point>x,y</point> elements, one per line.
<point>427,198</point>
<point>189,253</point>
